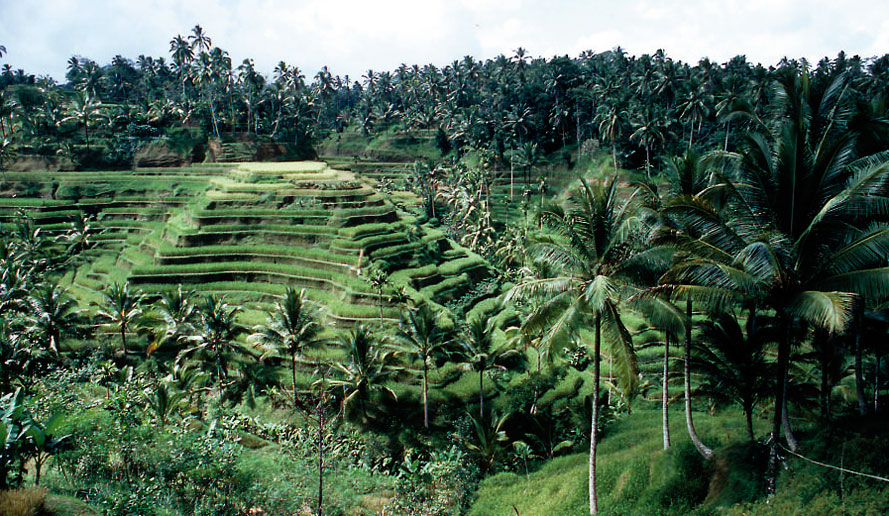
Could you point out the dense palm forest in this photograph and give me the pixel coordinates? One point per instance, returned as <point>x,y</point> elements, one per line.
<point>531,270</point>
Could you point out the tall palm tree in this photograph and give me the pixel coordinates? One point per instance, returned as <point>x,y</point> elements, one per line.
<point>53,315</point>
<point>802,239</point>
<point>589,251</point>
<point>364,373</point>
<point>173,318</point>
<point>216,334</point>
<point>421,336</point>
<point>481,353</point>
<point>122,308</point>
<point>292,327</point>
<point>733,361</point>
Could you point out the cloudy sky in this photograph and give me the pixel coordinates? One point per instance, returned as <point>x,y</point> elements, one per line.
<point>352,36</point>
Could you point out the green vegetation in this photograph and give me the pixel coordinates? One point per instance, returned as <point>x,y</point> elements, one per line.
<point>598,285</point>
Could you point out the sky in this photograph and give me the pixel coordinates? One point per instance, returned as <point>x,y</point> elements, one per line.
<point>352,36</point>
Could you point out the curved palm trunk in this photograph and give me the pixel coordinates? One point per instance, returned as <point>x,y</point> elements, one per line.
<point>792,443</point>
<point>594,424</point>
<point>425,394</point>
<point>614,155</point>
<point>702,448</point>
<point>665,395</point>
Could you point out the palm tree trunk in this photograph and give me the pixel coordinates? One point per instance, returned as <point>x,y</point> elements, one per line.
<point>728,127</point>
<point>481,394</point>
<point>876,382</point>
<point>647,162</point>
<point>425,394</point>
<point>748,414</point>
<point>792,443</point>
<point>293,378</point>
<point>783,359</point>
<point>702,448</point>
<point>614,155</point>
<point>321,450</point>
<point>859,370</point>
<point>380,294</point>
<point>123,340</point>
<point>594,424</point>
<point>665,388</point>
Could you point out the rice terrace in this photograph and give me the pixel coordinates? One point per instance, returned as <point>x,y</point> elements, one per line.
<point>609,284</point>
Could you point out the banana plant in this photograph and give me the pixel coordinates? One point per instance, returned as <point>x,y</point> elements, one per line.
<point>24,439</point>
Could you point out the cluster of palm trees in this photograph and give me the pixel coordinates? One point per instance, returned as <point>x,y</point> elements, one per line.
<point>780,244</point>
<point>643,107</point>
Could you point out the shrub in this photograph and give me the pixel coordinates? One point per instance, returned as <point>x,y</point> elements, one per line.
<point>22,502</point>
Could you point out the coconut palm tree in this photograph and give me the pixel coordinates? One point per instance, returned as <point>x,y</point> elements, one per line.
<point>172,319</point>
<point>215,335</point>
<point>591,254</point>
<point>292,327</point>
<point>802,239</point>
<point>421,336</point>
<point>122,309</point>
<point>733,361</point>
<point>481,352</point>
<point>364,373</point>
<point>53,315</point>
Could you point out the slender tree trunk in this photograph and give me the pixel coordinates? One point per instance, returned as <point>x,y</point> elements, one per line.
<point>425,394</point>
<point>293,378</point>
<point>748,414</point>
<point>665,391</point>
<point>792,443</point>
<point>212,111</point>
<point>614,155</point>
<point>481,394</point>
<point>123,340</point>
<point>859,369</point>
<point>691,134</point>
<point>594,424</point>
<point>321,446</point>
<point>783,359</point>
<point>876,382</point>
<point>702,448</point>
<point>647,162</point>
<point>825,374</point>
<point>728,127</point>
<point>380,293</point>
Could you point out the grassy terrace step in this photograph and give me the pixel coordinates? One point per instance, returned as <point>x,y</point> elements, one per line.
<point>368,244</point>
<point>269,271</point>
<point>307,257</point>
<point>271,292</point>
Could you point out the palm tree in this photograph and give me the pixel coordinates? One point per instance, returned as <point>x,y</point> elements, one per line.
<point>122,309</point>
<point>611,118</point>
<point>481,353</point>
<point>590,252</point>
<point>84,110</point>
<point>215,334</point>
<point>802,239</point>
<point>733,361</point>
<point>53,315</point>
<point>365,372</point>
<point>422,337</point>
<point>173,319</point>
<point>378,280</point>
<point>292,327</point>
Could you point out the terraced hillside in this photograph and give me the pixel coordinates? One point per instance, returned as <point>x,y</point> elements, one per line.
<point>248,231</point>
